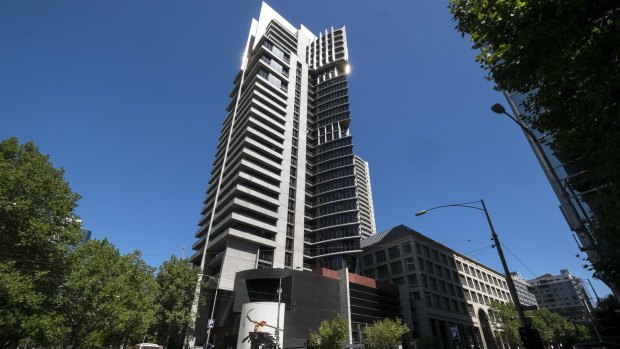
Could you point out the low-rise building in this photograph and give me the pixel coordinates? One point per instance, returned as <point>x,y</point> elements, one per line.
<point>564,294</point>
<point>441,289</point>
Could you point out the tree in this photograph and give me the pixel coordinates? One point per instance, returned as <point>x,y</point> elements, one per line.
<point>176,282</point>
<point>108,299</point>
<point>564,55</point>
<point>37,224</point>
<point>385,334</point>
<point>331,334</point>
<point>508,319</point>
<point>551,327</point>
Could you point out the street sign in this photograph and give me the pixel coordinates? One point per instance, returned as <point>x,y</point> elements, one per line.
<point>454,330</point>
<point>211,323</point>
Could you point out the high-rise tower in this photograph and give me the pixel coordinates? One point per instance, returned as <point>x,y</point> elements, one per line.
<point>286,190</point>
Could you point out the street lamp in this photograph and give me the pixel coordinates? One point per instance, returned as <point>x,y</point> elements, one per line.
<point>217,287</point>
<point>529,336</point>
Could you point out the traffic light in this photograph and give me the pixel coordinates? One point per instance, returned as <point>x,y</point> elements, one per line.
<point>530,338</point>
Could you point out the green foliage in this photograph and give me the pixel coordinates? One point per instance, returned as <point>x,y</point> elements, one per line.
<point>565,55</point>
<point>37,224</point>
<point>551,327</point>
<point>330,335</point>
<point>385,334</point>
<point>108,298</point>
<point>176,282</point>
<point>507,316</point>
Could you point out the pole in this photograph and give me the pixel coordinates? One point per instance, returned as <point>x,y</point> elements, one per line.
<point>278,319</point>
<point>217,287</point>
<point>511,285</point>
<point>598,300</point>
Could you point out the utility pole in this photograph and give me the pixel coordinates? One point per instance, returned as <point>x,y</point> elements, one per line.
<point>278,319</point>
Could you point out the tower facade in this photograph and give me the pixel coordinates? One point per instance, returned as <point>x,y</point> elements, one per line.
<point>286,190</point>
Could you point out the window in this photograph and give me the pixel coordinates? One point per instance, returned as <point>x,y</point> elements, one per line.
<point>429,267</point>
<point>436,303</point>
<point>415,295</point>
<point>367,260</point>
<point>438,270</point>
<point>407,248</point>
<point>418,248</point>
<point>459,266</point>
<point>470,310</point>
<point>467,295</point>
<point>436,255</point>
<point>442,286</point>
<point>380,256</point>
<point>445,303</point>
<point>444,259</point>
<point>409,263</point>
<point>397,267</point>
<point>399,281</point>
<point>424,281</point>
<point>394,252</point>
<point>421,263</point>
<point>433,283</point>
<point>412,279</point>
<point>463,280</point>
<point>427,297</point>
<point>427,251</point>
<point>382,271</point>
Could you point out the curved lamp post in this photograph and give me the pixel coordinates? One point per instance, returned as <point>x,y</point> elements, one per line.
<point>217,287</point>
<point>527,333</point>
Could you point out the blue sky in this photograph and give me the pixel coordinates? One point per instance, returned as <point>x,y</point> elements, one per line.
<point>129,96</point>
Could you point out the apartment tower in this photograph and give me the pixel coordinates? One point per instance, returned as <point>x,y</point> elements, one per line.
<point>286,190</point>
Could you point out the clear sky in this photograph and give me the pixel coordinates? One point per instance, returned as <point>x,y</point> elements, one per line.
<point>129,96</point>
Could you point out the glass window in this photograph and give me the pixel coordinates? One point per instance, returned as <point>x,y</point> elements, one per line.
<point>442,286</point>
<point>397,267</point>
<point>424,281</point>
<point>421,263</point>
<point>409,264</point>
<point>367,260</point>
<point>394,252</point>
<point>398,281</point>
<point>429,267</point>
<point>470,310</point>
<point>407,248</point>
<point>433,283</point>
<point>412,279</point>
<point>380,256</point>
<point>427,251</point>
<point>382,271</point>
<point>369,273</point>
<point>415,295</point>
<point>427,297</point>
<point>436,255</point>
